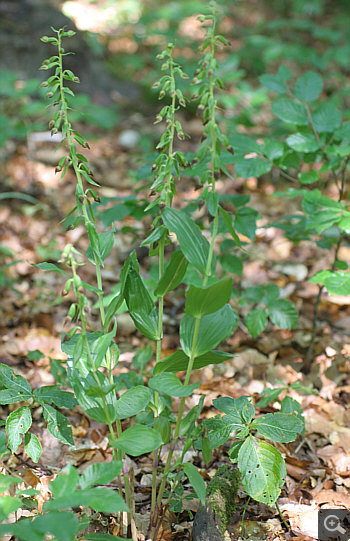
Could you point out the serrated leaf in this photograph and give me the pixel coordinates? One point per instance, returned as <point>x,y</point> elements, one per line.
<point>282,313</point>
<point>281,427</point>
<point>138,440</point>
<point>168,383</point>
<point>100,474</point>
<point>204,301</point>
<point>290,111</point>
<point>263,470</point>
<point>32,446</point>
<point>66,482</point>
<point>309,86</point>
<point>273,82</point>
<point>196,480</point>
<point>58,425</point>
<point>338,283</point>
<point>213,329</point>
<point>256,321</point>
<point>326,118</point>
<point>193,244</point>
<point>63,526</point>
<point>18,422</point>
<point>243,144</point>
<point>269,396</point>
<point>51,394</point>
<point>178,361</point>
<point>17,384</point>
<point>173,275</point>
<point>252,167</point>
<point>303,142</point>
<point>273,149</point>
<point>132,402</point>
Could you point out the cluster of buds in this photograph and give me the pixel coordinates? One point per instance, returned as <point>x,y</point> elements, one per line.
<point>168,162</point>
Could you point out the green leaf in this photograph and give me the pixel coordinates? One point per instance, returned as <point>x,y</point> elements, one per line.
<point>32,446</point>
<point>203,301</point>
<point>308,87</point>
<point>66,482</point>
<point>178,361</point>
<point>132,402</point>
<point>51,394</point>
<point>274,83</point>
<point>102,411</point>
<point>64,526</point>
<point>18,422</point>
<point>252,167</point>
<point>106,240</point>
<point>170,384</point>
<point>102,499</point>
<point>227,218</point>
<point>281,427</point>
<point>194,246</point>
<point>58,425</point>
<point>138,440</point>
<point>52,267</point>
<point>241,410</point>
<point>141,305</point>
<point>213,329</point>
<point>309,177</point>
<point>232,263</point>
<point>100,346</point>
<point>173,275</point>
<point>256,321</point>
<point>245,221</point>
<point>326,118</point>
<point>196,480</point>
<point>94,242</point>
<point>290,111</point>
<point>263,470</point>
<point>282,313</point>
<point>338,283</point>
<point>100,474</point>
<point>303,142</point>
<point>268,396</point>
<point>243,144</point>
<point>19,386</point>
<point>273,149</point>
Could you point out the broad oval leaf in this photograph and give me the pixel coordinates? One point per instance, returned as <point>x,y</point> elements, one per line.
<point>263,470</point>
<point>138,440</point>
<point>273,82</point>
<point>213,329</point>
<point>252,167</point>
<point>178,361</point>
<point>51,394</point>
<point>170,384</point>
<point>326,118</point>
<point>290,111</point>
<point>281,427</point>
<point>309,86</point>
<point>141,305</point>
<point>132,402</point>
<point>303,142</point>
<point>282,313</point>
<point>203,301</point>
<point>193,244</point>
<point>338,283</point>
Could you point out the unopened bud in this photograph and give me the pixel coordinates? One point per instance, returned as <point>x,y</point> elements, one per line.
<point>61,50</point>
<point>51,124</point>
<point>44,84</point>
<point>76,80</point>
<point>49,95</point>
<point>81,199</point>
<point>161,94</point>
<point>70,33</point>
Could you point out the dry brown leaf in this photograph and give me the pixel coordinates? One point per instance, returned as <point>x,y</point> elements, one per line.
<point>303,518</point>
<point>333,498</point>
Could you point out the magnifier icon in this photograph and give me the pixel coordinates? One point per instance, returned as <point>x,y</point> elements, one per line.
<point>332,524</point>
